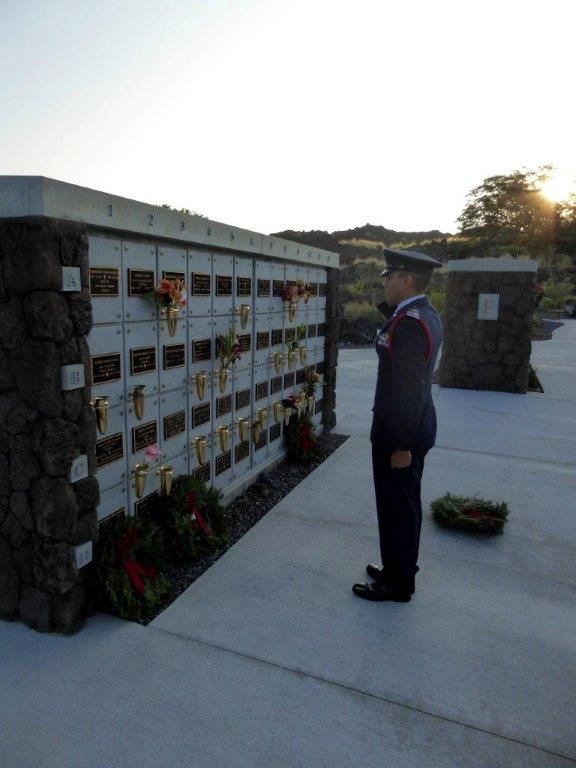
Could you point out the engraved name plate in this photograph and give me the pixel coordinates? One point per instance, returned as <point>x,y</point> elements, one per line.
<point>242,398</point>
<point>200,284</point>
<point>106,368</point>
<point>300,376</point>
<point>289,335</point>
<point>275,432</point>
<point>200,415</point>
<point>312,331</point>
<point>202,472</point>
<point>223,285</point>
<point>321,329</point>
<point>263,288</point>
<point>275,385</point>
<point>277,336</point>
<point>320,367</point>
<point>140,281</point>
<point>173,356</point>
<point>262,441</point>
<point>245,342</point>
<point>262,340</point>
<point>201,350</point>
<point>322,289</point>
<point>109,450</point>
<point>278,288</point>
<point>243,286</point>
<point>142,360</point>
<point>173,275</point>
<point>223,405</point>
<point>223,462</point>
<point>319,404</point>
<point>143,436</point>
<point>104,281</point>
<point>174,424</point>
<point>241,451</point>
<point>143,506</point>
<point>261,390</point>
<point>288,380</point>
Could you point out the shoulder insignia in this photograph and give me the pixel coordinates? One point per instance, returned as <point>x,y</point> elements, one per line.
<point>413,313</point>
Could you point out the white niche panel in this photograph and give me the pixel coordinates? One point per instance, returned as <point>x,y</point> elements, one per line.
<point>174,416</point>
<point>141,357</point>
<point>106,279</point>
<point>139,277</point>
<point>106,344</point>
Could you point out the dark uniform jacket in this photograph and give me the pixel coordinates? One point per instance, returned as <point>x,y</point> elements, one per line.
<point>404,416</point>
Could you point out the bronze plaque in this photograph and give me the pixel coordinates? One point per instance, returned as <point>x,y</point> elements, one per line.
<point>144,435</point>
<point>263,288</point>
<point>140,281</point>
<point>241,451</point>
<point>321,329</point>
<point>223,285</point>
<point>278,288</point>
<point>320,367</point>
<point>200,415</point>
<point>243,286</point>
<point>277,337</point>
<point>200,284</point>
<point>245,342</point>
<point>173,356</point>
<point>289,335</point>
<point>109,450</point>
<point>145,505</point>
<point>288,380</point>
<point>261,390</point>
<point>104,281</point>
<point>313,288</point>
<point>312,331</point>
<point>322,289</point>
<point>142,360</point>
<point>262,340</point>
<point>174,424</point>
<point>173,275</point>
<point>319,404</point>
<point>262,441</point>
<point>202,472</point>
<point>223,405</point>
<point>118,513</point>
<point>300,376</point>
<point>201,350</point>
<point>274,432</point>
<point>106,368</point>
<point>242,399</point>
<point>223,462</point>
<point>275,385</point>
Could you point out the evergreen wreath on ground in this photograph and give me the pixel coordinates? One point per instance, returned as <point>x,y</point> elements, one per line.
<point>128,573</point>
<point>191,520</point>
<point>300,436</point>
<point>470,513</point>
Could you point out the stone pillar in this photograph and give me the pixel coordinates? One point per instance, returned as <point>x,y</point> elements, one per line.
<point>331,351</point>
<point>47,429</point>
<point>488,324</point>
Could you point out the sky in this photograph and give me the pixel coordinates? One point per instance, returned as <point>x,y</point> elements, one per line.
<point>288,114</point>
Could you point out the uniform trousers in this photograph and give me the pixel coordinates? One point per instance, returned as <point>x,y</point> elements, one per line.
<point>399,509</point>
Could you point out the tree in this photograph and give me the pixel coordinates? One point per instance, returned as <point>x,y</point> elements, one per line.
<point>512,210</point>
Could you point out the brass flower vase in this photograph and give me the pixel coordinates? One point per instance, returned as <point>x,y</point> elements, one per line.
<point>291,360</point>
<point>224,437</point>
<point>287,414</point>
<point>101,407</point>
<point>278,362</point>
<point>140,472</point>
<point>256,431</point>
<point>263,417</point>
<point>292,309</point>
<point>222,379</point>
<point>243,430</point>
<point>201,445</point>
<point>311,403</point>
<point>139,402</point>
<point>244,315</point>
<point>278,411</point>
<point>200,379</point>
<point>166,474</point>
<point>303,354</point>
<point>172,319</point>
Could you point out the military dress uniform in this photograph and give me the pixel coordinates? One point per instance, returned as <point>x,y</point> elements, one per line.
<point>404,418</point>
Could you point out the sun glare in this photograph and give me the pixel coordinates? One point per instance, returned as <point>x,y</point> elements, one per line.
<point>559,187</point>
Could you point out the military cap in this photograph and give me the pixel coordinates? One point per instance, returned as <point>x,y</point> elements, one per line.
<point>409,261</point>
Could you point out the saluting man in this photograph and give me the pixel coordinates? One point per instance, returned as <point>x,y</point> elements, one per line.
<point>404,421</point>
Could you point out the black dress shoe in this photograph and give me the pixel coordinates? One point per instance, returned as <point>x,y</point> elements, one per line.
<point>381,592</point>
<point>376,572</point>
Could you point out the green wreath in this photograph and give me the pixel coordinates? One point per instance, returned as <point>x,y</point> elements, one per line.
<point>128,578</point>
<point>470,514</point>
<point>191,520</point>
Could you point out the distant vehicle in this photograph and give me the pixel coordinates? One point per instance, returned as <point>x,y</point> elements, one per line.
<point>570,308</point>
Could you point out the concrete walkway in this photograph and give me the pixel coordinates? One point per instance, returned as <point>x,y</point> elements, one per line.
<point>270,660</point>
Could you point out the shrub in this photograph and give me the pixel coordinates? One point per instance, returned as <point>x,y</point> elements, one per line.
<point>438,298</point>
<point>547,303</point>
<point>558,293</point>
<point>362,310</point>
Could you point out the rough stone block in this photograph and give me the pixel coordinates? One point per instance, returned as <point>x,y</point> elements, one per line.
<point>31,258</point>
<point>87,494</point>
<point>15,416</point>
<point>36,369</point>
<point>69,352</point>
<point>53,566</point>
<point>12,325</point>
<point>86,529</point>
<point>87,425</point>
<point>80,307</point>
<point>21,507</point>
<point>6,378</point>
<point>24,466</point>
<point>5,484</point>
<point>36,608</point>
<point>69,610</point>
<point>14,532</point>
<point>9,585</point>
<point>54,507</point>
<point>72,404</point>
<point>47,316</point>
<point>56,442</point>
<point>22,561</point>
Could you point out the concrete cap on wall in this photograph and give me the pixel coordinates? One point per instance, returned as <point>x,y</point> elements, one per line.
<point>492,265</point>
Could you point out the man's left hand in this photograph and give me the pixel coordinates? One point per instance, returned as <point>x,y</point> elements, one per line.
<point>401,459</point>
